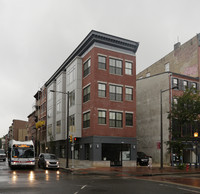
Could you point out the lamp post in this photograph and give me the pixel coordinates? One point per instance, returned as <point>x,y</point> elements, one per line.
<point>67,144</point>
<point>161,126</point>
<point>196,136</point>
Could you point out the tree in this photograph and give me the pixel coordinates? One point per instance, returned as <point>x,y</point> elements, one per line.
<point>185,119</point>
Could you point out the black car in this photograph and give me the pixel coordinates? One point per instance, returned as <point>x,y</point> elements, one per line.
<point>142,159</point>
<point>47,160</point>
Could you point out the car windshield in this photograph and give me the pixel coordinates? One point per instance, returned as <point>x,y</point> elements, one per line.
<point>141,154</point>
<point>2,152</point>
<point>50,156</point>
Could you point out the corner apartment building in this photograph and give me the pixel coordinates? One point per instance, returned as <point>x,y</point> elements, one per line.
<point>180,67</point>
<point>99,78</point>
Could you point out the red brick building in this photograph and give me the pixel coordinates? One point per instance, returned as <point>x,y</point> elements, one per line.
<point>103,110</point>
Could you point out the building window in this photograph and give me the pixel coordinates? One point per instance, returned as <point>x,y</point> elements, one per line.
<point>49,113</point>
<point>128,68</point>
<point>86,94</point>
<point>175,82</point>
<point>129,119</point>
<point>185,84</point>
<point>129,93</point>
<point>101,90</point>
<point>115,66</point>
<point>115,92</point>
<point>102,117</point>
<point>71,120</point>
<point>86,68</point>
<point>50,129</point>
<point>167,67</point>
<point>50,95</point>
<point>58,107</point>
<point>71,75</point>
<point>58,86</point>
<point>148,75</point>
<point>101,62</point>
<point>115,119</point>
<point>58,127</point>
<point>194,85</point>
<point>86,120</point>
<point>72,98</point>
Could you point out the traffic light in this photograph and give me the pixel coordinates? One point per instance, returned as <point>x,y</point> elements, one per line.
<point>75,139</point>
<point>70,138</point>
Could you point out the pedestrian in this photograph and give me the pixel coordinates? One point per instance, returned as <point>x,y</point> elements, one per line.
<point>150,163</point>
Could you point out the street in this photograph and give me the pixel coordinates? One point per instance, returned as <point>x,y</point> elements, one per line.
<point>52,181</point>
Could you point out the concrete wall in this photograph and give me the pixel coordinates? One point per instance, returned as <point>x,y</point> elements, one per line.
<point>182,60</point>
<point>89,164</point>
<point>76,85</point>
<point>148,115</point>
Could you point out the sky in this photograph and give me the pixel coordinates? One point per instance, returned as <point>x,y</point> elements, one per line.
<point>36,36</point>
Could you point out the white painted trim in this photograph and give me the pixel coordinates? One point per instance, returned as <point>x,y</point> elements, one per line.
<point>101,82</point>
<point>129,61</point>
<point>121,111</point>
<point>86,111</point>
<point>115,84</point>
<point>99,54</point>
<point>102,109</point>
<point>111,57</point>
<point>89,58</point>
<point>129,112</point>
<point>86,86</point>
<point>129,86</point>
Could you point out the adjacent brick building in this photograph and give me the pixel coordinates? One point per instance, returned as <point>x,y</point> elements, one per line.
<point>180,67</point>
<point>100,77</point>
<point>18,130</point>
<point>184,60</point>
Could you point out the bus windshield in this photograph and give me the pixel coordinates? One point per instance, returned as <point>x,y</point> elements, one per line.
<point>19,152</point>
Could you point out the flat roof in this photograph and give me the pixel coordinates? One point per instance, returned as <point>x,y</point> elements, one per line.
<point>95,36</point>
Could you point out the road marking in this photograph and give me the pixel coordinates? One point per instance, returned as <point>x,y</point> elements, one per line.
<point>83,186</point>
<point>188,190</point>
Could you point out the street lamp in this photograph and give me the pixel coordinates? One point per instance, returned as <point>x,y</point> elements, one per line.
<point>196,142</point>
<point>67,145</point>
<point>161,126</point>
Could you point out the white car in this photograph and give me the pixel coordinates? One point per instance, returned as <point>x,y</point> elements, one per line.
<point>2,155</point>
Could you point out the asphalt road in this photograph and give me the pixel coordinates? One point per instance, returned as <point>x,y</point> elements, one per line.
<point>52,181</point>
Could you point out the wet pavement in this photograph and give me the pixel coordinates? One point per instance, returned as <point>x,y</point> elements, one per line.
<point>187,177</point>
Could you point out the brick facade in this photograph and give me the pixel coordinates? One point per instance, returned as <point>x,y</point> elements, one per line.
<point>96,102</point>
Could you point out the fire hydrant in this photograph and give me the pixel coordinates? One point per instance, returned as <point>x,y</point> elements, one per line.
<point>187,167</point>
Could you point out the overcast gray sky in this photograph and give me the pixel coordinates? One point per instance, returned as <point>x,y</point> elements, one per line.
<point>36,36</point>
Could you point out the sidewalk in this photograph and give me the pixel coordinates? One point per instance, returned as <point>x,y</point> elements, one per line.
<point>133,171</point>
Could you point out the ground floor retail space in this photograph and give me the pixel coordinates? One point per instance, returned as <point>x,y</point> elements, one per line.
<point>115,151</point>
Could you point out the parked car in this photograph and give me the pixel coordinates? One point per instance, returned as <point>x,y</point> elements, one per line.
<point>2,155</point>
<point>142,159</point>
<point>47,160</point>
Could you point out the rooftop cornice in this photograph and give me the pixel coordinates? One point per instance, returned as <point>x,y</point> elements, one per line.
<point>99,37</point>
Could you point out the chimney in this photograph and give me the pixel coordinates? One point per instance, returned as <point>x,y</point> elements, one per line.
<point>177,45</point>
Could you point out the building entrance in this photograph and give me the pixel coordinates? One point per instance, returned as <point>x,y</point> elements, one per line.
<point>115,153</point>
<point>112,152</point>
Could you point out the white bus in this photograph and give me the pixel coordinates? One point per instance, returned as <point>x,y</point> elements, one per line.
<point>21,153</point>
